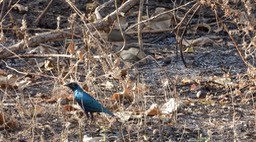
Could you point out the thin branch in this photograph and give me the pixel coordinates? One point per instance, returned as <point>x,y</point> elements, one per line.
<point>66,33</point>
<point>43,13</point>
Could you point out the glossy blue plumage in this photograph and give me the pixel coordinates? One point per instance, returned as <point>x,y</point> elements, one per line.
<point>86,102</point>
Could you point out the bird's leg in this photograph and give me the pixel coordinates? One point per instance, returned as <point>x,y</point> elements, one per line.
<point>88,121</point>
<point>87,114</point>
<point>90,118</point>
<point>91,115</point>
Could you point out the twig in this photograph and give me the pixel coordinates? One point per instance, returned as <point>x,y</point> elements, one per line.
<point>43,56</point>
<point>26,73</point>
<point>66,33</point>
<point>158,15</point>
<point>34,41</point>
<point>140,26</point>
<point>43,13</point>
<point>237,49</point>
<point>197,6</point>
<point>120,28</point>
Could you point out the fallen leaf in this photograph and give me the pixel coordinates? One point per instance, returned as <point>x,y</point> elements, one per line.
<point>197,42</point>
<point>12,124</point>
<point>37,111</point>
<point>93,139</point>
<point>8,80</point>
<point>223,81</point>
<point>80,54</point>
<point>193,87</point>
<point>123,73</point>
<point>1,118</point>
<point>48,64</point>
<point>2,73</point>
<point>153,110</point>
<point>121,97</point>
<point>64,94</point>
<point>140,87</point>
<point>169,106</point>
<point>131,54</point>
<point>8,123</point>
<point>219,29</point>
<point>204,102</point>
<point>2,37</point>
<point>185,81</point>
<point>124,115</point>
<point>90,6</point>
<point>20,8</point>
<point>161,22</point>
<point>71,47</point>
<point>202,27</point>
<point>189,50</point>
<point>108,85</point>
<point>123,23</point>
<point>201,94</point>
<point>70,107</point>
<point>42,50</point>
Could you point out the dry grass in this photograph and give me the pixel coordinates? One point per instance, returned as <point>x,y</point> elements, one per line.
<point>216,93</point>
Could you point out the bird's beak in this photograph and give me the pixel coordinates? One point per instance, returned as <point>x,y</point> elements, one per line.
<point>66,84</point>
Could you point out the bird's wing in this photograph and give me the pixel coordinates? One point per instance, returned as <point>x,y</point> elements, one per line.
<point>88,103</point>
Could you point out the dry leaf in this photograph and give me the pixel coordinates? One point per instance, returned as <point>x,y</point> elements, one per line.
<point>20,7</point>
<point>93,139</point>
<point>202,26</point>
<point>48,64</point>
<point>122,97</point>
<point>61,93</point>
<point>124,115</point>
<point>219,29</point>
<point>2,119</point>
<point>36,111</point>
<point>43,50</point>
<point>153,110</point>
<point>115,36</point>
<point>193,87</point>
<point>206,102</point>
<point>189,50</point>
<point>14,81</point>
<point>197,42</point>
<point>169,106</point>
<point>123,23</point>
<point>117,73</point>
<point>71,47</point>
<point>85,87</point>
<point>185,81</point>
<point>23,82</point>
<point>9,80</point>
<point>2,73</point>
<point>201,94</point>
<point>10,124</point>
<point>80,54</point>
<point>123,73</point>
<point>90,6</point>
<point>140,87</point>
<point>223,81</point>
<point>161,22</point>
<point>2,37</point>
<point>70,107</point>
<point>108,85</point>
<point>132,54</point>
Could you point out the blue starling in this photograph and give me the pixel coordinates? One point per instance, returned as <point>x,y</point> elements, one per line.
<point>86,101</point>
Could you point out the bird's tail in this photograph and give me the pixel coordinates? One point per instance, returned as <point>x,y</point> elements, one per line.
<point>108,112</point>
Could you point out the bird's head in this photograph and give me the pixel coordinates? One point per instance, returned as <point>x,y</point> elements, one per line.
<point>72,85</point>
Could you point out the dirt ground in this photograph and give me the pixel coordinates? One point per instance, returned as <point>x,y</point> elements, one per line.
<point>214,95</point>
